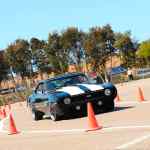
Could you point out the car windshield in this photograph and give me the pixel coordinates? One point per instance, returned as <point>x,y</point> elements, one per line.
<point>66,81</point>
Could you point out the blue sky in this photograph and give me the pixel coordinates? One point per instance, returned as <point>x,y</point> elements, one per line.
<point>36,18</point>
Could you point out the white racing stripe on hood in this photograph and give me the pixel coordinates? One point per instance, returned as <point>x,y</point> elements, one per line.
<point>92,87</point>
<point>71,90</point>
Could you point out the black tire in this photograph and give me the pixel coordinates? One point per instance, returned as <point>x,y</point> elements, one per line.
<point>109,106</point>
<point>53,114</point>
<point>37,115</point>
<point>28,101</point>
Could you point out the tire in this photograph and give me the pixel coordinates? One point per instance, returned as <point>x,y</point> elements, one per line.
<point>53,115</point>
<point>37,115</point>
<point>109,106</point>
<point>28,101</point>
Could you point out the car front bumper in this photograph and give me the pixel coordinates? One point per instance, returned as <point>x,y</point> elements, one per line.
<point>81,107</point>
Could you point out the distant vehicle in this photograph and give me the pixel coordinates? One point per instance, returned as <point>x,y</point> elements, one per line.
<point>69,93</point>
<point>143,72</point>
<point>118,70</point>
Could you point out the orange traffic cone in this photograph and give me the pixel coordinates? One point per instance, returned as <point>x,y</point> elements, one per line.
<point>141,96</point>
<point>92,122</point>
<point>12,126</point>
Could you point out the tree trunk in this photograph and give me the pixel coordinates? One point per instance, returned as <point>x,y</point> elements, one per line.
<point>61,66</point>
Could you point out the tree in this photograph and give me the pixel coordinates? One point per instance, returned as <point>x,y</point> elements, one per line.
<point>96,47</point>
<point>56,54</point>
<point>144,51</point>
<point>126,47</point>
<point>4,67</point>
<point>19,57</point>
<point>36,44</point>
<point>72,42</point>
<point>39,55</point>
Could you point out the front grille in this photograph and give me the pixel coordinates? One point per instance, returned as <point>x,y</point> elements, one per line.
<point>90,96</point>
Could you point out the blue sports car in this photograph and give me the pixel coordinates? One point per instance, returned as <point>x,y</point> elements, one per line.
<point>69,93</point>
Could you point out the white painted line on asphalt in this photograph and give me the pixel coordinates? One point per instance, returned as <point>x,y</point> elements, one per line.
<point>138,140</point>
<point>48,131</point>
<point>105,129</point>
<point>125,127</point>
<point>83,130</point>
<point>132,102</point>
<point>55,131</point>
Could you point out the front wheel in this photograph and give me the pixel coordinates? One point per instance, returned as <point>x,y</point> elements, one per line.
<point>36,115</point>
<point>53,112</point>
<point>109,106</point>
<point>53,115</point>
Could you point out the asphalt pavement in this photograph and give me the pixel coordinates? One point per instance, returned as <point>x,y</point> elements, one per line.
<point>128,127</point>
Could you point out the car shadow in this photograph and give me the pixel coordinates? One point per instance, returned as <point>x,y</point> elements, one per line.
<point>119,108</point>
<point>82,115</point>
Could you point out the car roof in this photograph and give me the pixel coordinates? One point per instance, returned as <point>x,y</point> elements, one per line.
<point>63,76</point>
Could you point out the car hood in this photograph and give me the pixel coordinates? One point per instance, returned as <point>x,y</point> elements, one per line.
<point>80,89</point>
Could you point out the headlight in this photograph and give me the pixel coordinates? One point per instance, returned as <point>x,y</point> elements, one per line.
<point>67,101</point>
<point>107,92</point>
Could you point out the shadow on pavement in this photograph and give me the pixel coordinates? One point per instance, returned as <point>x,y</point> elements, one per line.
<point>84,114</point>
<point>119,108</point>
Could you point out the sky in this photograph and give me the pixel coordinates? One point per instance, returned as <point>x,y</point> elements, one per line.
<point>36,18</point>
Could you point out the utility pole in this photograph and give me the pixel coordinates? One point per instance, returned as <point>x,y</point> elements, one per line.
<point>109,46</point>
